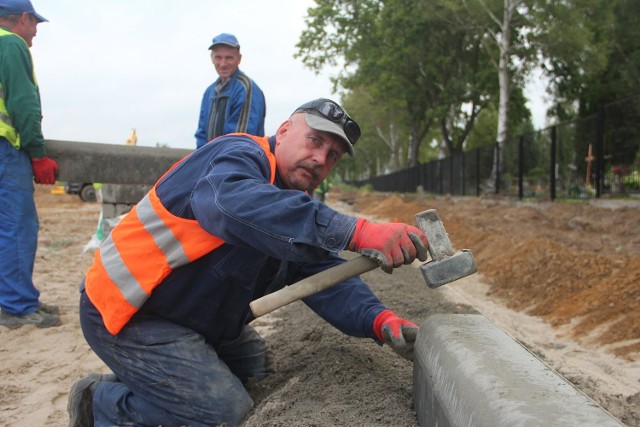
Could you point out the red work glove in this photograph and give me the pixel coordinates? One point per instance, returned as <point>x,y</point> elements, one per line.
<point>45,170</point>
<point>390,243</point>
<point>396,332</point>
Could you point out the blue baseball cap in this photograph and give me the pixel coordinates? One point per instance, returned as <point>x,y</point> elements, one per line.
<point>17,7</point>
<point>225,39</point>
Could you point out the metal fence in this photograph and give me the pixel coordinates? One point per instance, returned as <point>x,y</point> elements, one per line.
<point>590,157</point>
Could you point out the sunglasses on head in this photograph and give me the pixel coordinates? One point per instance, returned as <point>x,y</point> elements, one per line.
<point>336,114</point>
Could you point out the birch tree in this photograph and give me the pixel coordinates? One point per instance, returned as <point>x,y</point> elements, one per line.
<point>403,50</point>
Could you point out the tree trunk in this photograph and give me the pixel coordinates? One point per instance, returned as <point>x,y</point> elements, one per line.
<point>504,43</point>
<point>414,147</point>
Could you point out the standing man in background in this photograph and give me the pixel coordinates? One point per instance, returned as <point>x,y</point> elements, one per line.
<point>22,158</point>
<point>234,102</point>
<point>321,191</point>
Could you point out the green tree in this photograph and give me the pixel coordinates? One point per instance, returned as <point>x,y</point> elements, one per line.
<point>384,143</point>
<point>379,147</point>
<point>505,26</point>
<point>407,56</point>
<point>592,58</point>
<point>576,40</point>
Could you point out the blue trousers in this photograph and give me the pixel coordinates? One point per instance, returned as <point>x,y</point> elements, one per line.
<point>18,232</point>
<point>169,375</point>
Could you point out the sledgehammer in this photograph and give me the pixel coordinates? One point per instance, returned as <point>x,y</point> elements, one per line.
<point>445,266</point>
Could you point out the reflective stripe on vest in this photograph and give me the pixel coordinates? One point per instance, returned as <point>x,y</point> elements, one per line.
<point>7,130</point>
<point>142,250</point>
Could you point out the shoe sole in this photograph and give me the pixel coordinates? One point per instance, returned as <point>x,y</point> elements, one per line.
<point>50,309</point>
<point>80,404</point>
<point>16,322</point>
<point>12,324</point>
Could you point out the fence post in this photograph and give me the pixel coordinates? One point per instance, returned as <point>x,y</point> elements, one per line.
<point>462,174</point>
<point>478,172</point>
<point>552,166</point>
<point>451,162</point>
<point>440,176</point>
<point>520,167</point>
<point>599,149</point>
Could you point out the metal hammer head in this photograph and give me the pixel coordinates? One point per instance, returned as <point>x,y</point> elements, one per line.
<point>446,265</point>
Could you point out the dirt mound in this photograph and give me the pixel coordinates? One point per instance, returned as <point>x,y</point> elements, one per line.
<point>575,264</point>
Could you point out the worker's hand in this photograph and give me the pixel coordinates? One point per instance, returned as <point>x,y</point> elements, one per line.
<point>45,170</point>
<point>396,332</point>
<point>391,244</point>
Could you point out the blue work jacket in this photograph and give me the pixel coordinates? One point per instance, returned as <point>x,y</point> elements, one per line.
<point>274,237</point>
<point>238,106</point>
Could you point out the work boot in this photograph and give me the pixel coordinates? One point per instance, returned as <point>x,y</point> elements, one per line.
<point>80,405</point>
<point>40,318</point>
<point>49,308</point>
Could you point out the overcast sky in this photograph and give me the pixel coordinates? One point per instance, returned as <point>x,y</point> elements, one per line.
<point>106,67</point>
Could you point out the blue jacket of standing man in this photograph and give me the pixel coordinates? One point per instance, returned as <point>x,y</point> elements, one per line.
<point>234,102</point>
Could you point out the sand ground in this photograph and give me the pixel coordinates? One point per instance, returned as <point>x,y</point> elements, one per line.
<point>562,279</point>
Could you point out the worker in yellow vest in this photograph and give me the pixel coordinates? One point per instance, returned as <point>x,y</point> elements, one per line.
<point>321,192</point>
<point>23,158</point>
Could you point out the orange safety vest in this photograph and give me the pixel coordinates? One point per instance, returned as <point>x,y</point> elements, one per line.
<point>142,250</point>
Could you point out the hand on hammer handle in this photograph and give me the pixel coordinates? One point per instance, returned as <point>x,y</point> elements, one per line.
<point>376,240</point>
<point>391,244</point>
<point>312,285</point>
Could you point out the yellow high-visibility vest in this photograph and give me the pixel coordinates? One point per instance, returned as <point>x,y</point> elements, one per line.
<point>7,130</point>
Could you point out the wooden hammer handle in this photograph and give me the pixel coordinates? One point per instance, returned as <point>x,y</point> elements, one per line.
<point>311,285</point>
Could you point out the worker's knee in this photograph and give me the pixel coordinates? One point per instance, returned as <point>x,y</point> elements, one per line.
<point>229,407</point>
<point>248,356</point>
<point>241,409</point>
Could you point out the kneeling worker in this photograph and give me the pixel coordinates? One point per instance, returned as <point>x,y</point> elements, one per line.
<point>166,303</point>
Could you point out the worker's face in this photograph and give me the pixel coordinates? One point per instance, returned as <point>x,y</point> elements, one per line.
<point>226,60</point>
<point>25,27</point>
<point>305,156</point>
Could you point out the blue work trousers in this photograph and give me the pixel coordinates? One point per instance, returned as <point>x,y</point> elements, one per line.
<point>169,375</point>
<point>18,232</point>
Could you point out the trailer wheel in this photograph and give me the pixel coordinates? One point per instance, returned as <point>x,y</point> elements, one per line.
<point>87,193</point>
